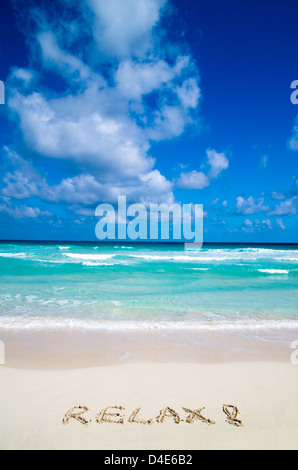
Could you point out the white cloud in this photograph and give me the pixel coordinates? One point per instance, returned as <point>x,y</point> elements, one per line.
<point>287,207</point>
<point>293,142</point>
<point>199,180</point>
<point>281,224</point>
<point>267,223</point>
<point>218,163</point>
<point>276,195</point>
<point>156,188</point>
<point>193,180</point>
<point>67,64</point>
<point>122,29</point>
<point>250,205</point>
<point>103,127</point>
<point>24,75</point>
<point>250,226</point>
<point>248,223</point>
<point>23,212</point>
<point>23,181</point>
<point>83,189</point>
<point>63,129</point>
<point>169,122</point>
<point>189,93</point>
<point>136,79</point>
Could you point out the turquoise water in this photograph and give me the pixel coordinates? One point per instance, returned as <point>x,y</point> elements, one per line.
<point>148,286</point>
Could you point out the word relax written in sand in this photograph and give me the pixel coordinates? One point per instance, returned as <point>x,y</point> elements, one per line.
<point>115,415</point>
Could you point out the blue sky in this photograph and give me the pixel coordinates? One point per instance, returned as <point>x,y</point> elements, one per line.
<point>161,101</point>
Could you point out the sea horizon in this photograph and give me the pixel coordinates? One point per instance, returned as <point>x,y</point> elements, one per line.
<point>142,242</point>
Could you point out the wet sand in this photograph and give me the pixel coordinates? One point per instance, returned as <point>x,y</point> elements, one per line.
<point>72,348</point>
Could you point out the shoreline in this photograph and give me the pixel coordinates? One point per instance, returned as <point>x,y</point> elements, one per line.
<point>72,348</point>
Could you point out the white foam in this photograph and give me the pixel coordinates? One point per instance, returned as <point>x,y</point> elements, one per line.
<point>52,261</point>
<point>62,302</point>
<point>274,271</point>
<point>30,298</point>
<point>123,247</point>
<point>167,258</point>
<point>214,255</point>
<point>90,264</point>
<point>13,255</point>
<point>199,269</point>
<point>89,257</point>
<point>202,255</point>
<point>10,322</point>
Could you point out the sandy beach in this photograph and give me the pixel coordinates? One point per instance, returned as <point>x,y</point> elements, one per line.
<point>34,404</point>
<point>153,404</point>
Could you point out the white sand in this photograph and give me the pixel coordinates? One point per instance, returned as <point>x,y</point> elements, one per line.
<point>33,404</point>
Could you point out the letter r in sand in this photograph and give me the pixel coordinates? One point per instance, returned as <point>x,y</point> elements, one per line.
<point>76,413</point>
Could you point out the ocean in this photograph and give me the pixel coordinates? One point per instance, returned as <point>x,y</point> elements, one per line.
<point>146,286</point>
